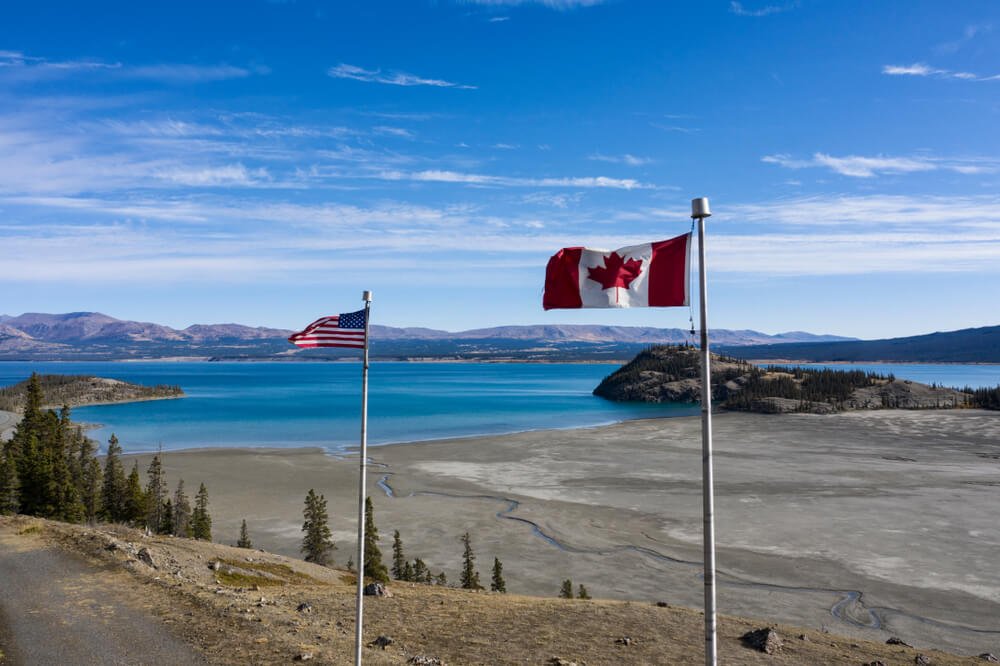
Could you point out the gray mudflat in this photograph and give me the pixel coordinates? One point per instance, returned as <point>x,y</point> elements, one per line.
<point>57,609</point>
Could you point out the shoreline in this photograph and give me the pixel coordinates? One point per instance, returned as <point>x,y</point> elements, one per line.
<point>620,361</point>
<point>818,517</point>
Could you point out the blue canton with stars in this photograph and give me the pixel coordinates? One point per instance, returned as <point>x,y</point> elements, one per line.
<point>352,320</point>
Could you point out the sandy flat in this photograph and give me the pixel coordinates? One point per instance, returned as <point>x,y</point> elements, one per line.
<point>871,524</point>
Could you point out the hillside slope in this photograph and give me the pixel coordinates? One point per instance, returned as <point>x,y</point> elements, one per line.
<point>240,606</point>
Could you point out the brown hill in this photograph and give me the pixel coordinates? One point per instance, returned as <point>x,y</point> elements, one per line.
<point>240,606</point>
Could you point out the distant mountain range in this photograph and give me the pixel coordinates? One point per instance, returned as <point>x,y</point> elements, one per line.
<point>96,336</point>
<point>970,345</point>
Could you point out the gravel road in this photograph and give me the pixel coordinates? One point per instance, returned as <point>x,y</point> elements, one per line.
<point>58,609</point>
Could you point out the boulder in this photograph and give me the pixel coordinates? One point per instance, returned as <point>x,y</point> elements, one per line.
<point>381,642</point>
<point>922,660</point>
<point>146,557</point>
<point>422,660</point>
<point>377,590</point>
<point>765,640</point>
<point>896,640</point>
<point>986,656</point>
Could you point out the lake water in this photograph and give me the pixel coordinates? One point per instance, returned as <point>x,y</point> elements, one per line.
<point>318,404</point>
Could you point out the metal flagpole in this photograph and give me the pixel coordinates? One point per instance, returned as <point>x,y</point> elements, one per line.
<point>699,211</point>
<point>367,296</point>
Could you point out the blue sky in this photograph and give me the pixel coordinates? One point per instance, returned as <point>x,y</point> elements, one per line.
<point>264,162</point>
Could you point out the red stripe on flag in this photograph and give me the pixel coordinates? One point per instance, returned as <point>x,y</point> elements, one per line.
<point>562,280</point>
<point>668,272</point>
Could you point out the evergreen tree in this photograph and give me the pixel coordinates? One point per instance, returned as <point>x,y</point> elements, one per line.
<point>441,579</point>
<point>166,525</point>
<point>135,499</point>
<point>182,512</point>
<point>420,572</point>
<point>497,584</point>
<point>201,522</point>
<point>244,540</point>
<point>398,558</point>
<point>156,494</point>
<point>470,577</point>
<point>113,488</point>
<point>407,572</point>
<point>90,496</point>
<point>582,592</point>
<point>9,495</point>
<point>318,541</point>
<point>374,568</point>
<point>566,591</point>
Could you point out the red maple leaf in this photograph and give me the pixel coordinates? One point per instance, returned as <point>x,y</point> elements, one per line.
<point>616,272</point>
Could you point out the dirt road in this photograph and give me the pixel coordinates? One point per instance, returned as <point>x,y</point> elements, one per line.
<point>58,609</point>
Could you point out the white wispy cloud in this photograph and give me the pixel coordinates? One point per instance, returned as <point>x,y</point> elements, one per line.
<point>767,10</point>
<point>968,34</point>
<point>922,69</point>
<point>630,160</point>
<point>20,66</point>
<point>442,176</point>
<point>399,132</point>
<point>395,78</point>
<point>859,166</point>
<point>229,175</point>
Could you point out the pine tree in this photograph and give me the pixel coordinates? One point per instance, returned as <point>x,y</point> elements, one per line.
<point>90,495</point>
<point>318,541</point>
<point>407,572</point>
<point>182,512</point>
<point>244,540</point>
<point>441,579</point>
<point>113,488</point>
<point>9,495</point>
<point>498,584</point>
<point>566,591</point>
<point>166,525</point>
<point>582,592</point>
<point>420,572</point>
<point>398,558</point>
<point>374,568</point>
<point>201,522</point>
<point>156,493</point>
<point>135,499</point>
<point>470,577</point>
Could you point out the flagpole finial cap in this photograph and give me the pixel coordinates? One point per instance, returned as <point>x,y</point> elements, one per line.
<point>367,297</point>
<point>699,208</point>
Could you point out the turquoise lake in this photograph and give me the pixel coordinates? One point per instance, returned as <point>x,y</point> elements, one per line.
<point>318,404</point>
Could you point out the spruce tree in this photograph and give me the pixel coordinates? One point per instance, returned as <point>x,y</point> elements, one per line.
<point>497,584</point>
<point>582,592</point>
<point>201,522</point>
<point>9,495</point>
<point>398,558</point>
<point>135,499</point>
<point>244,540</point>
<point>182,512</point>
<point>420,573</point>
<point>441,579</point>
<point>566,591</point>
<point>469,579</point>
<point>166,525</point>
<point>90,496</point>
<point>407,572</point>
<point>113,487</point>
<point>374,568</point>
<point>156,494</point>
<point>318,541</point>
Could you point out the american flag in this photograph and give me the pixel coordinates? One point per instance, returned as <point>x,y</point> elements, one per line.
<point>343,330</point>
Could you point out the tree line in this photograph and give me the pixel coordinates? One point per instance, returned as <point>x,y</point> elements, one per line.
<point>50,469</point>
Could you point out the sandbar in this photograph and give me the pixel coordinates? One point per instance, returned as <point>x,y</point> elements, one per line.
<point>871,524</point>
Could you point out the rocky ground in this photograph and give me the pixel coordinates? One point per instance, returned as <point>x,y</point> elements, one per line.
<point>240,606</point>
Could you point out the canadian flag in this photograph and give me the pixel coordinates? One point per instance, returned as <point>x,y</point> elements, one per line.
<point>640,276</point>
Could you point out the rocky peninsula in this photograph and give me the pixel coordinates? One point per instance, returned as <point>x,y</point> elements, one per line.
<point>673,374</point>
<point>80,390</point>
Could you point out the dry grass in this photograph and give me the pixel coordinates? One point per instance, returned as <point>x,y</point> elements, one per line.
<point>256,624</point>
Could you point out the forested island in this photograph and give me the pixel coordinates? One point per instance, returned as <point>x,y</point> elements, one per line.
<point>80,390</point>
<point>673,374</point>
